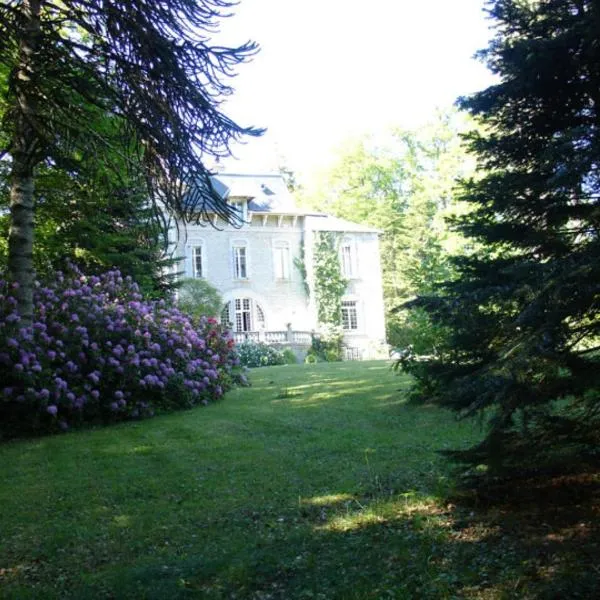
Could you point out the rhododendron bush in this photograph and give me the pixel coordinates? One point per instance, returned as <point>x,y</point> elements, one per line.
<point>97,352</point>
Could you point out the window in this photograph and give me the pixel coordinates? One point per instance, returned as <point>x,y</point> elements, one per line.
<point>198,262</point>
<point>281,257</point>
<point>348,260</point>
<point>349,315</point>
<point>225,316</point>
<point>240,209</point>
<point>240,261</point>
<point>243,314</point>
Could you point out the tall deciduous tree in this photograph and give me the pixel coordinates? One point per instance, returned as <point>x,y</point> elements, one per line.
<point>524,316</point>
<point>149,66</point>
<point>403,184</point>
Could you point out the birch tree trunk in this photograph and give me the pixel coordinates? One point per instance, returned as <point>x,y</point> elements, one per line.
<point>24,151</point>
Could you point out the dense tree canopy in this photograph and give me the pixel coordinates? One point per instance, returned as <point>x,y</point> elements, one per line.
<point>148,67</point>
<point>524,347</point>
<point>402,183</point>
<point>95,215</point>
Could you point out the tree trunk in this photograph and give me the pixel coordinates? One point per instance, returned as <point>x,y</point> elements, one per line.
<point>20,238</point>
<point>25,155</point>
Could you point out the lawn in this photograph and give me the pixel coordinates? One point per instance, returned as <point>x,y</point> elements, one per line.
<point>319,481</point>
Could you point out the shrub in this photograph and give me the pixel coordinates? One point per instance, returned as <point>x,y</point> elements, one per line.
<point>311,358</point>
<point>97,352</point>
<point>289,357</point>
<point>258,354</point>
<point>198,298</point>
<point>327,346</point>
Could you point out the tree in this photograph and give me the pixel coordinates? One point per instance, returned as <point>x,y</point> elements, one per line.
<point>199,298</point>
<point>524,343</point>
<point>402,184</point>
<point>96,216</point>
<point>147,65</point>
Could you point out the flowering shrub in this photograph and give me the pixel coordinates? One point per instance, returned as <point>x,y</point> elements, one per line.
<point>258,354</point>
<point>97,352</point>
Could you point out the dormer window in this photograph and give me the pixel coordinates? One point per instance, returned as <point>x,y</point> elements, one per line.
<point>240,208</point>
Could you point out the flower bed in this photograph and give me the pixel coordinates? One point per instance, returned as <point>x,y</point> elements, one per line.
<point>97,352</point>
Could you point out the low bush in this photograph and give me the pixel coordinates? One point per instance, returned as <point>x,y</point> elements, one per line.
<point>97,352</point>
<point>259,354</point>
<point>326,346</point>
<point>289,357</point>
<point>199,298</point>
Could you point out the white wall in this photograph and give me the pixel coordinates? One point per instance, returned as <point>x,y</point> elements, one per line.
<point>367,289</point>
<point>286,301</point>
<point>282,301</point>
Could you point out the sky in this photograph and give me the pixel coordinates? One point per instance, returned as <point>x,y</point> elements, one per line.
<point>330,70</point>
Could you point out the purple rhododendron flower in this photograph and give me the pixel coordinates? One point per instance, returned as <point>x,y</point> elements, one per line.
<point>108,315</point>
<point>52,409</point>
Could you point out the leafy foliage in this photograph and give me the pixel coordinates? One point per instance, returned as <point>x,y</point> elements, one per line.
<point>326,346</point>
<point>524,340</point>
<point>199,298</point>
<point>329,283</point>
<point>259,354</point>
<point>289,357</point>
<point>134,83</point>
<point>97,352</point>
<point>98,219</point>
<point>403,184</point>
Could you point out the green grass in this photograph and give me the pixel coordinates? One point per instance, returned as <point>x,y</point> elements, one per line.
<point>317,482</point>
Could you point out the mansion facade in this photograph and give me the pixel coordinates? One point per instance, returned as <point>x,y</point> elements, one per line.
<point>264,268</point>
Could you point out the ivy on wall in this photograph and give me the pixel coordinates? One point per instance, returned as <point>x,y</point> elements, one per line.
<point>300,264</point>
<point>330,285</point>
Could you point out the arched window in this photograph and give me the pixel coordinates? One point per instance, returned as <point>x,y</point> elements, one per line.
<point>243,314</point>
<point>225,316</point>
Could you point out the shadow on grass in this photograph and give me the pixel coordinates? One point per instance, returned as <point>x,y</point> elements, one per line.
<point>344,546</point>
<point>205,505</point>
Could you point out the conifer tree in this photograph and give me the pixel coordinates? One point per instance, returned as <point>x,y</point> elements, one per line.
<point>147,65</point>
<point>524,342</point>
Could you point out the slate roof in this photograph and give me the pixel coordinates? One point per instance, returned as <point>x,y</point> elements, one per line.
<point>265,193</point>
<point>269,194</point>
